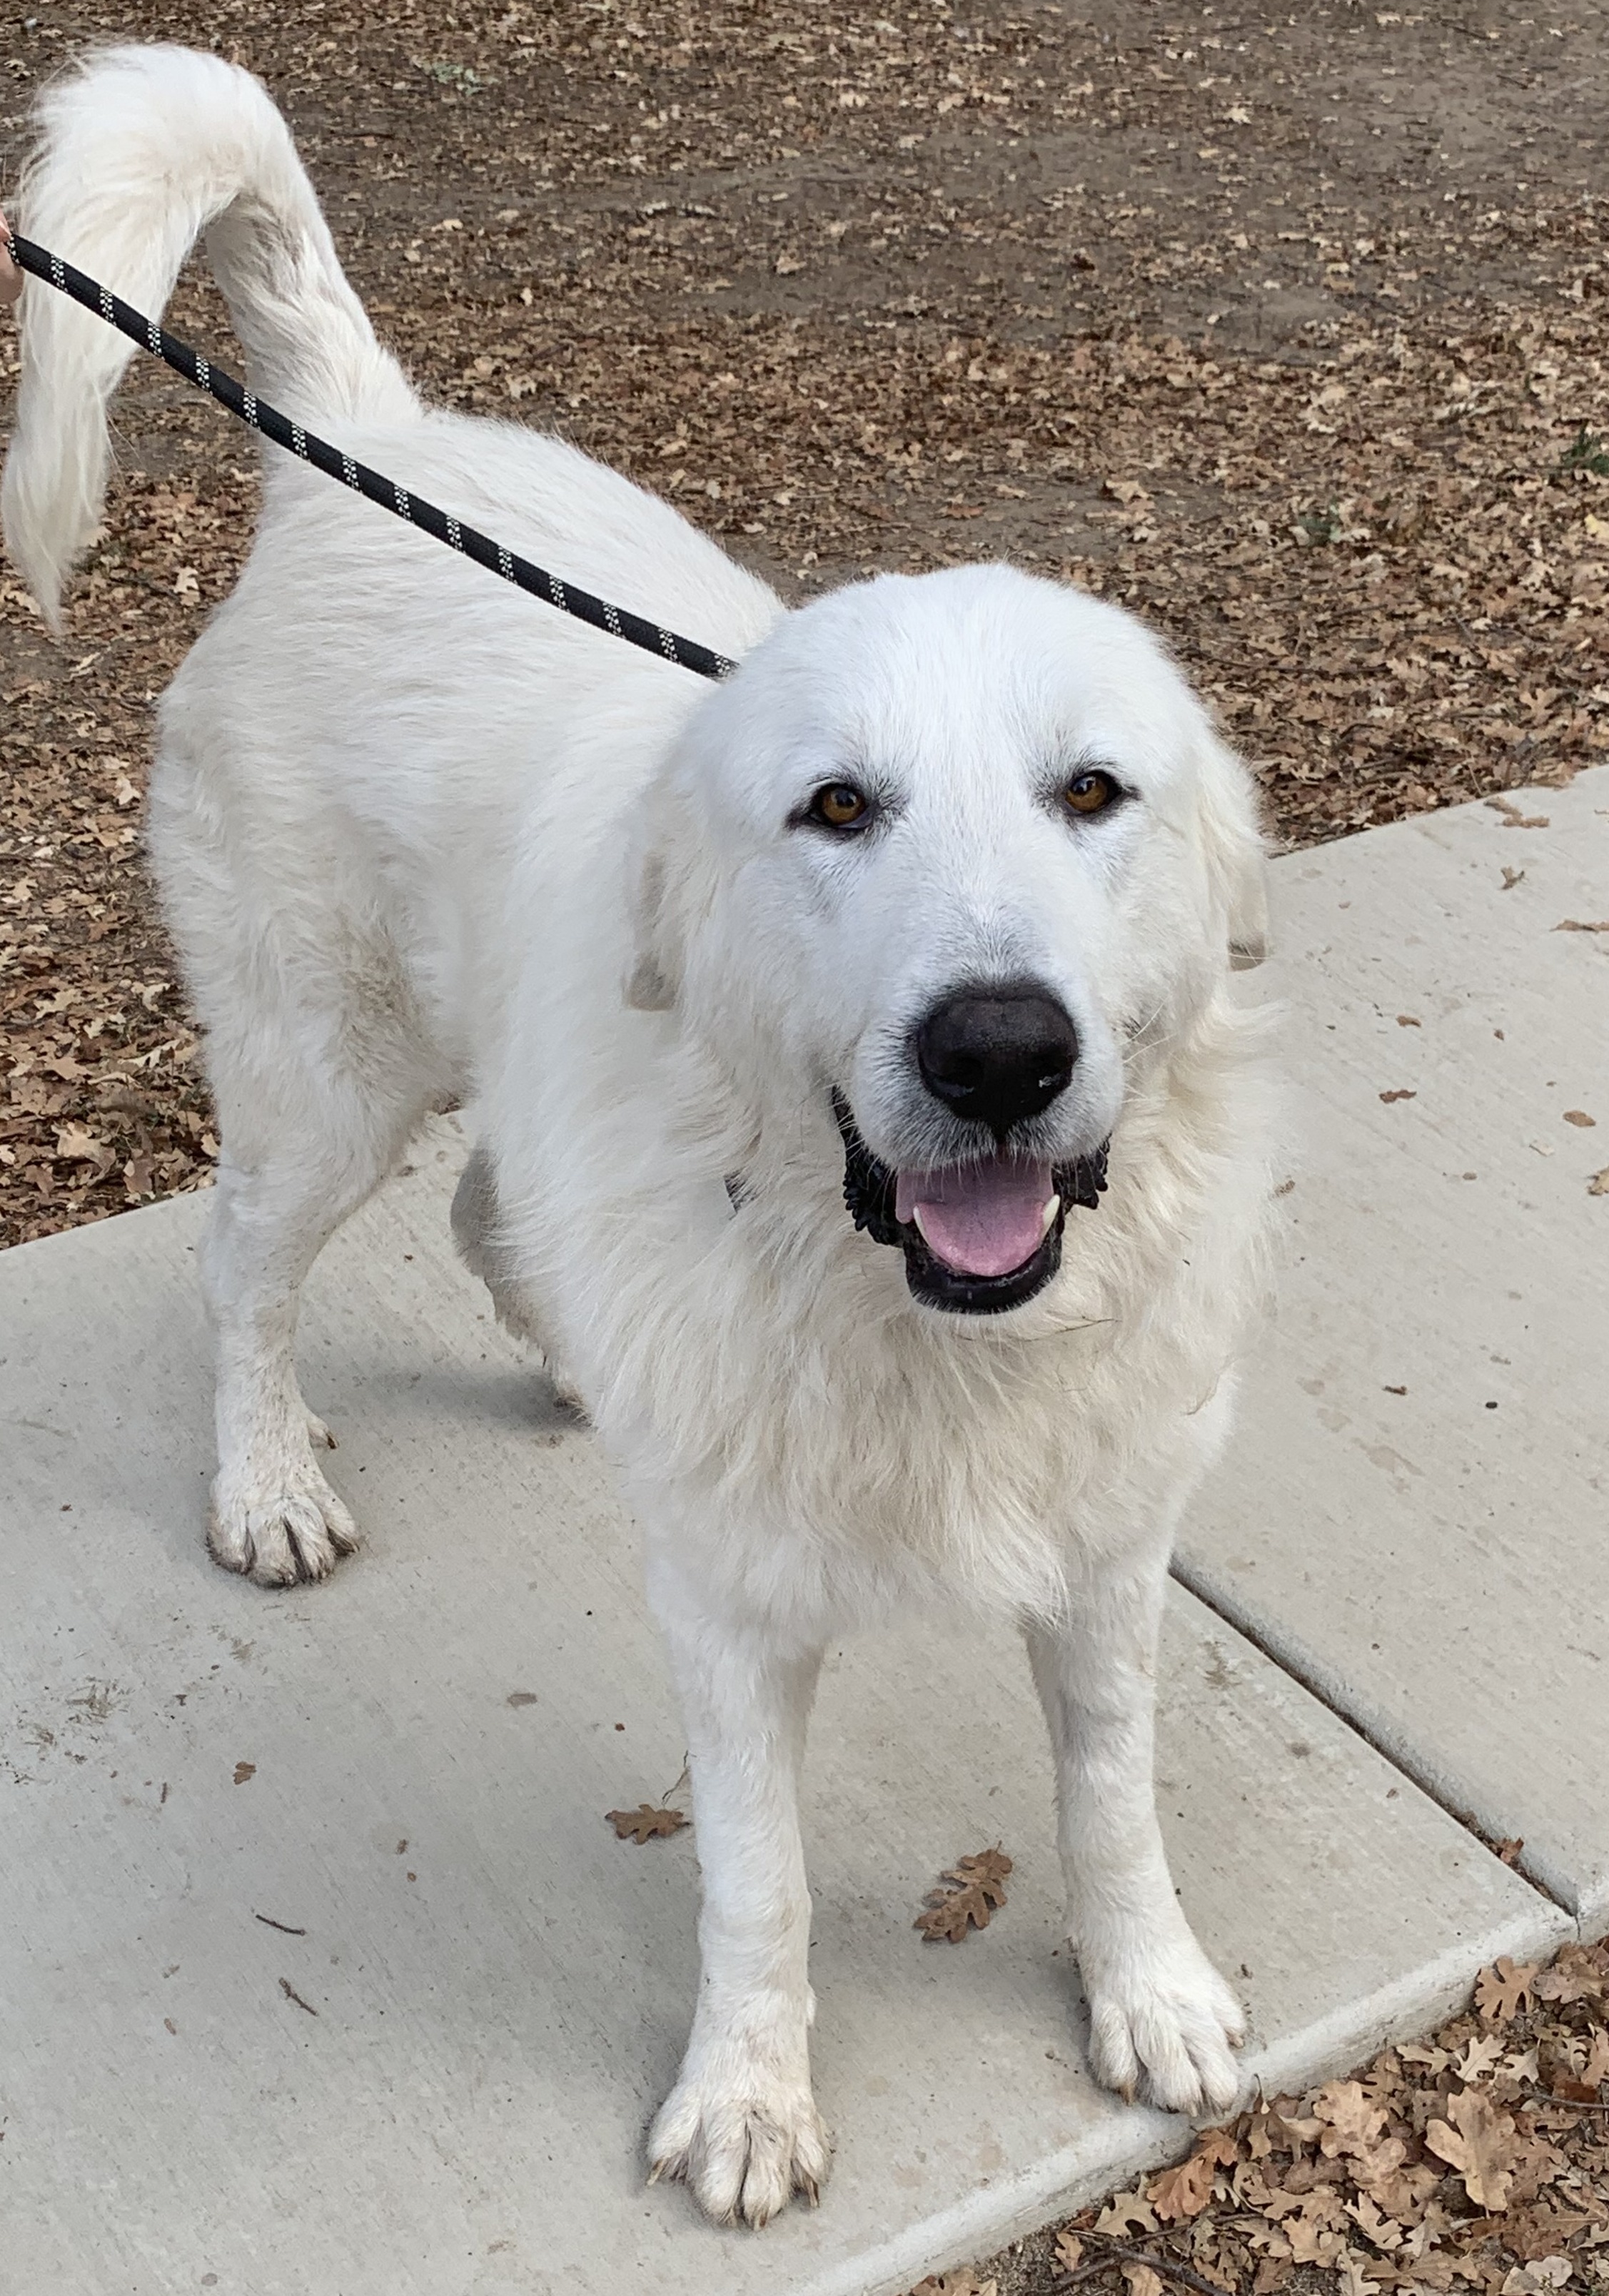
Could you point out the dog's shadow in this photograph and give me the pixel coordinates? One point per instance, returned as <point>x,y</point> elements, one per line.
<point>516,1399</point>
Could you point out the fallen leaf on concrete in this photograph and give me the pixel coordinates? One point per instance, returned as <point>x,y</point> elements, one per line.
<point>1579,1116</point>
<point>243,1771</point>
<point>1575,924</point>
<point>1479,2142</point>
<point>645,1823</point>
<point>979,1890</point>
<point>1512,818</point>
<point>1402,1093</point>
<point>1598,1183</point>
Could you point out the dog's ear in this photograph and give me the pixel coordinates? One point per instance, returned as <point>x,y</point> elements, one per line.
<point>1236,860</point>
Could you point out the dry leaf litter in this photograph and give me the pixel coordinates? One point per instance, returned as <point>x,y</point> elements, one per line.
<point>1287,330</point>
<point>1477,2161</point>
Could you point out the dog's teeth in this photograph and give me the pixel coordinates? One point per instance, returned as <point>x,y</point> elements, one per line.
<point>1047,1216</point>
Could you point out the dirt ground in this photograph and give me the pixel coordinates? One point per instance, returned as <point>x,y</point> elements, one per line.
<point>1288,330</point>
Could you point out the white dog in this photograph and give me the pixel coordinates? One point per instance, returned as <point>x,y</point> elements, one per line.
<point>799,1019</point>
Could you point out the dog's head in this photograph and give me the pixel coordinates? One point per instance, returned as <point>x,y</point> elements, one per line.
<point>946,858</point>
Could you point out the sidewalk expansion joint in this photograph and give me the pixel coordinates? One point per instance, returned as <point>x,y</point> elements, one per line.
<point>1329,1696</point>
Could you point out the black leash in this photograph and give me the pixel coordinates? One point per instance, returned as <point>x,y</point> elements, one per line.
<point>685,653</point>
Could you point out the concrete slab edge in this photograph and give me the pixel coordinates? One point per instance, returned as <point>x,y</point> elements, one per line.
<point>1457,1796</point>
<point>1409,2007</point>
<point>1133,2143</point>
<point>1123,2146</point>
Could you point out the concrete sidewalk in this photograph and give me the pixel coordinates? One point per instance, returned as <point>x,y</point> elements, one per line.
<point>430,2065</point>
<point>1427,1422</point>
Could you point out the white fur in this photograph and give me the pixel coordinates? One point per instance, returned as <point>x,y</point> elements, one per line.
<point>421,839</point>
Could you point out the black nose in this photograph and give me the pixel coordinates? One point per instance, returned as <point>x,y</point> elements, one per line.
<point>997,1056</point>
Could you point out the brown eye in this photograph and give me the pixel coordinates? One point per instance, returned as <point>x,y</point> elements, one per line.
<point>1089,792</point>
<point>839,805</point>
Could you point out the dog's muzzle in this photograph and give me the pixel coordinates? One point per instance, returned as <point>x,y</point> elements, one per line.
<point>940,1230</point>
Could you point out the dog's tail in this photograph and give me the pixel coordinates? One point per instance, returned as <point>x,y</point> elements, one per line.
<point>139,153</point>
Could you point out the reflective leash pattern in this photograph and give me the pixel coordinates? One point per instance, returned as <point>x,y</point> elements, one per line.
<point>687,653</point>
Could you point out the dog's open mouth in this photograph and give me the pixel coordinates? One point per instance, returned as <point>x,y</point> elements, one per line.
<point>978,1238</point>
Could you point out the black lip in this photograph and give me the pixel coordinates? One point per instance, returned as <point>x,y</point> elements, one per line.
<point>869,1194</point>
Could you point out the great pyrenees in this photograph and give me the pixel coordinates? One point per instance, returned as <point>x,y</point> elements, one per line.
<point>865,1131</point>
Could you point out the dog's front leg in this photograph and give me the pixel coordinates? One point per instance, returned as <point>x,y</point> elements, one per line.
<point>741,2124</point>
<point>1160,2016</point>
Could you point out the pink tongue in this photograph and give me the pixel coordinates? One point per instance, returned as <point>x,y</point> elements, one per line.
<point>981,1219</point>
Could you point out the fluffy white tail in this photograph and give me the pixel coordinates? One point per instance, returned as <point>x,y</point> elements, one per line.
<point>139,153</point>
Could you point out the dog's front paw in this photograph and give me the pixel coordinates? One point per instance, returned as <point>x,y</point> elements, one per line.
<point>276,1536</point>
<point>1162,2020</point>
<point>744,2142</point>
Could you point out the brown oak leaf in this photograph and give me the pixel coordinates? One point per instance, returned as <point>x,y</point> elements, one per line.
<point>1382,2231</point>
<point>1351,2118</point>
<point>979,1892</point>
<point>645,1823</point>
<point>1481,2143</point>
<point>1126,2213</point>
<point>1543,2232</point>
<point>1502,1991</point>
<point>1352,2273</point>
<point>1401,2192</point>
<point>1314,2231</point>
<point>1477,2058</point>
<point>1575,1975</point>
<point>1184,2190</point>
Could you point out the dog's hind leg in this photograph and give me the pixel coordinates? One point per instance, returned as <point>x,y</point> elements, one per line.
<point>322,1064</point>
<point>475,1220</point>
<point>288,1176</point>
